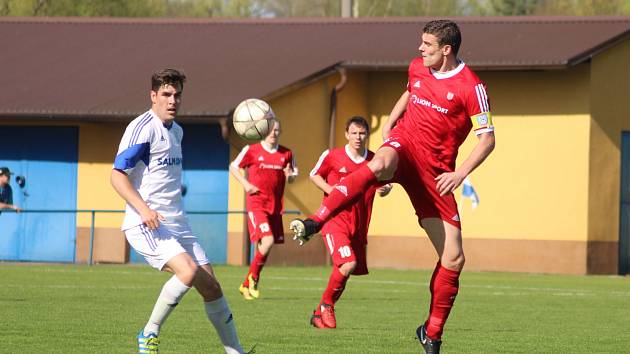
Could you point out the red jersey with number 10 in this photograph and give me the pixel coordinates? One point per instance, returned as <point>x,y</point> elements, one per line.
<point>265,170</point>
<point>442,109</point>
<point>354,220</point>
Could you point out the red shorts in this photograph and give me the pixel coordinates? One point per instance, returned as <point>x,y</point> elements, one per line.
<point>344,249</point>
<point>416,174</point>
<point>261,224</point>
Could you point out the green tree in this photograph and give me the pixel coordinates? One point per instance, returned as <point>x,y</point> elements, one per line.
<point>119,8</point>
<point>550,7</point>
<point>380,8</point>
<point>309,8</point>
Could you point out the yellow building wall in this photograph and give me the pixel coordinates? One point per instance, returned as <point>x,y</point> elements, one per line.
<point>610,87</point>
<point>533,186</point>
<point>98,144</point>
<point>352,100</point>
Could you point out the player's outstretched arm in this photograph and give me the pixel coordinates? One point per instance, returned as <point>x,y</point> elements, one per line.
<point>397,112</point>
<point>448,182</point>
<point>123,187</point>
<point>248,187</point>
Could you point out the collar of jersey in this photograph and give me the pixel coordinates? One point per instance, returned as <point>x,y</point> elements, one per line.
<point>448,74</point>
<point>355,160</point>
<point>154,116</point>
<point>272,150</point>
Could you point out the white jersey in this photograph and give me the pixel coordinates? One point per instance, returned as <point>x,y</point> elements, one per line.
<point>151,155</point>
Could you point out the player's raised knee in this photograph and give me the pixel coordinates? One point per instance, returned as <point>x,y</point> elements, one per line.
<point>383,167</point>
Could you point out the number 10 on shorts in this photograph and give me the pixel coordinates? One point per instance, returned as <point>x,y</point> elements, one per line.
<point>344,251</point>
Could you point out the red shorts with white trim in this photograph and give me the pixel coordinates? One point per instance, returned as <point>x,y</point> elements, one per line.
<point>416,174</point>
<point>344,249</point>
<point>260,224</point>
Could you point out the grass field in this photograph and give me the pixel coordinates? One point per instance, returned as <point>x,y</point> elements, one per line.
<point>99,309</point>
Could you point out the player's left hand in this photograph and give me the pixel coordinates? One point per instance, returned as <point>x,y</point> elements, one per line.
<point>289,173</point>
<point>447,182</point>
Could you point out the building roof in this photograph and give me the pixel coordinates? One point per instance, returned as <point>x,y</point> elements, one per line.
<point>88,68</point>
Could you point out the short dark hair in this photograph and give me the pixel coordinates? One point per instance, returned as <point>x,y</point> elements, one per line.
<point>358,120</point>
<point>163,77</point>
<point>446,31</point>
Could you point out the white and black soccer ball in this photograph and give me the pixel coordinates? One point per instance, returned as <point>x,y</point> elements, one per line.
<point>253,119</point>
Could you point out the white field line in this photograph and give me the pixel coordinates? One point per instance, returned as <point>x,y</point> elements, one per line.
<point>499,290</point>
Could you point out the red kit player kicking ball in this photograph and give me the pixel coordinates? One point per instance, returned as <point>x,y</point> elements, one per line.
<point>268,166</point>
<point>345,234</point>
<point>443,101</point>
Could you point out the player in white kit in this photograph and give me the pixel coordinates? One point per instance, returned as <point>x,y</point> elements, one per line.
<point>147,174</point>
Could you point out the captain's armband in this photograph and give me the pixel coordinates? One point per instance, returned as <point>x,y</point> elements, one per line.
<point>482,123</point>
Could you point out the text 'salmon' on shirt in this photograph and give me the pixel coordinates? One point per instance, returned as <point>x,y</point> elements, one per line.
<point>151,155</point>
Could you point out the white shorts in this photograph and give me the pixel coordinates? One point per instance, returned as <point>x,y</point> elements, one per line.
<point>169,240</point>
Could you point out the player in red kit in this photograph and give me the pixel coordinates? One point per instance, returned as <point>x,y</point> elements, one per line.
<point>443,101</point>
<point>345,234</point>
<point>268,165</point>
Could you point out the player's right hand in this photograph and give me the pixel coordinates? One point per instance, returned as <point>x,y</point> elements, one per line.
<point>251,189</point>
<point>151,219</point>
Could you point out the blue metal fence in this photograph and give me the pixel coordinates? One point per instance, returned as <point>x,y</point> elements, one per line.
<point>93,213</point>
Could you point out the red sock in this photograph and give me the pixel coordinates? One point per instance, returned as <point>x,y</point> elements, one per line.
<point>336,285</point>
<point>432,283</point>
<point>444,286</point>
<point>255,267</point>
<point>257,264</point>
<point>344,192</point>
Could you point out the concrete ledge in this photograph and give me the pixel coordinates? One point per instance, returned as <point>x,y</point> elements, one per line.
<point>533,256</point>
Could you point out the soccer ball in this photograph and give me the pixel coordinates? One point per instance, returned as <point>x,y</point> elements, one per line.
<point>253,119</point>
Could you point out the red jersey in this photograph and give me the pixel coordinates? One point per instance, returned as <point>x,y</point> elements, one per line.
<point>265,170</point>
<point>442,109</point>
<point>333,165</point>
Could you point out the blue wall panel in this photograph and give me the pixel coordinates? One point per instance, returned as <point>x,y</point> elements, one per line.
<point>206,159</point>
<point>47,157</point>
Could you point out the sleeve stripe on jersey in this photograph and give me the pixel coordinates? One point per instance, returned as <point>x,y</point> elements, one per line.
<point>237,161</point>
<point>128,158</point>
<point>136,131</point>
<point>482,98</point>
<point>319,163</point>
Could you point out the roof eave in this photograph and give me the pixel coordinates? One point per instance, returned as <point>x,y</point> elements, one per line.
<point>92,117</point>
<point>589,54</point>
<point>478,66</point>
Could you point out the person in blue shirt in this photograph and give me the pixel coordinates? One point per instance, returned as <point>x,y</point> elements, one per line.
<point>6,193</point>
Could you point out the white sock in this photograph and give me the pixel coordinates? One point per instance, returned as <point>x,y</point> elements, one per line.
<point>220,315</point>
<point>172,292</point>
